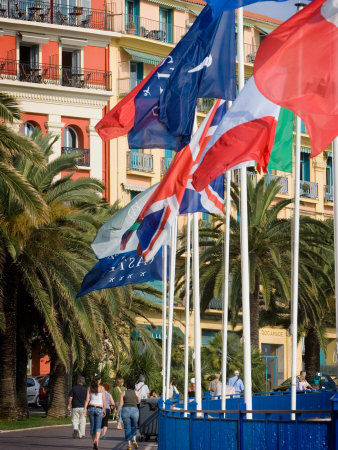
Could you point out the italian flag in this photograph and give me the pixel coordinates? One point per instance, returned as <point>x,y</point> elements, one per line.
<point>245,136</point>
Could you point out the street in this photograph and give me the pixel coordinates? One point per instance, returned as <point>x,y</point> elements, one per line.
<point>60,437</point>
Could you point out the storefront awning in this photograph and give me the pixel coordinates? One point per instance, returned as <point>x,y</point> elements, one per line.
<point>305,150</point>
<point>265,30</point>
<point>169,5</point>
<point>143,57</point>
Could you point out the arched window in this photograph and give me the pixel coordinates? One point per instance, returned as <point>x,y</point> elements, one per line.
<point>27,129</point>
<point>70,138</point>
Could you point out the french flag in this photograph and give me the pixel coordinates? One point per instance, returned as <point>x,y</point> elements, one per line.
<point>175,194</point>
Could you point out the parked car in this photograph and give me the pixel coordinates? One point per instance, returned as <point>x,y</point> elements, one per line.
<point>33,388</point>
<point>43,392</point>
<point>325,382</point>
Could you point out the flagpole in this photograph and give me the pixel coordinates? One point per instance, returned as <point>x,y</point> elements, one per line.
<point>164,320</point>
<point>187,311</point>
<point>171,300</point>
<point>335,224</point>
<point>244,240</point>
<point>197,319</point>
<point>226,290</point>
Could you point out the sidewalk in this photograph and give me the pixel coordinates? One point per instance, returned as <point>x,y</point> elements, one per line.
<point>61,438</point>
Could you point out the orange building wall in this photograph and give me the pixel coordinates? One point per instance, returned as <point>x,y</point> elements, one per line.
<point>8,44</point>
<point>94,58</point>
<point>48,50</point>
<point>77,174</point>
<point>97,4</point>
<point>39,119</point>
<point>40,365</point>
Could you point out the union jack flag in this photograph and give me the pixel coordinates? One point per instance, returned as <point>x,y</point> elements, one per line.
<point>175,194</point>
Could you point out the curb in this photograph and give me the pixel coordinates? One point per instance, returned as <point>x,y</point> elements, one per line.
<point>36,428</point>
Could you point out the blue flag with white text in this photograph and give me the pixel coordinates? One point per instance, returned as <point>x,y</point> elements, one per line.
<point>202,65</point>
<point>121,269</point>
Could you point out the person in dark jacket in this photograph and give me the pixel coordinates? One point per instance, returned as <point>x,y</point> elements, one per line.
<point>76,402</point>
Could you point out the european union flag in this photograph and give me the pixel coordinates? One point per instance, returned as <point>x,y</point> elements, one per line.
<point>121,269</point>
<point>203,64</point>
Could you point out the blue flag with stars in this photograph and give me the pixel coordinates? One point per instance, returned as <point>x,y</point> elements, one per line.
<point>202,65</point>
<point>121,269</point>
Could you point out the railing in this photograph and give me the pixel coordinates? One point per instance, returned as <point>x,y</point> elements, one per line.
<point>57,75</point>
<point>328,193</point>
<point>283,182</point>
<point>250,52</point>
<point>165,163</point>
<point>204,105</point>
<point>83,160</point>
<point>139,161</point>
<point>147,28</point>
<point>125,85</point>
<point>308,189</point>
<point>216,303</point>
<point>79,16</point>
<point>251,175</point>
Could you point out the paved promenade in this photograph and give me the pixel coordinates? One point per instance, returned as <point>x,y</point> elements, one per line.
<point>61,438</point>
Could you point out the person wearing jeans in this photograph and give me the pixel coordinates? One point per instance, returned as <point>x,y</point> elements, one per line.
<point>129,400</point>
<point>76,402</point>
<point>95,407</point>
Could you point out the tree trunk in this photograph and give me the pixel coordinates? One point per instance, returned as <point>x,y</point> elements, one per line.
<point>58,389</point>
<point>312,353</point>
<point>254,315</point>
<point>8,347</point>
<point>22,348</point>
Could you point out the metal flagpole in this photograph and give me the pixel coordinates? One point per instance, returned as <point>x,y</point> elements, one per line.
<point>187,311</point>
<point>197,318</point>
<point>295,262</point>
<point>244,241</point>
<point>226,289</point>
<point>173,239</point>
<point>335,221</point>
<point>164,320</point>
<point>295,267</point>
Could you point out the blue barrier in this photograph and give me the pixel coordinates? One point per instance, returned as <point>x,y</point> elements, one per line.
<point>313,429</point>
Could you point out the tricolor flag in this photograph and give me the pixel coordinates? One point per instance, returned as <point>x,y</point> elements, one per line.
<point>297,67</point>
<point>245,135</point>
<point>175,194</point>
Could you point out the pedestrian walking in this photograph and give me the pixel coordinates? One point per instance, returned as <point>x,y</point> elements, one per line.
<point>129,400</point>
<point>117,391</point>
<point>214,385</point>
<point>109,404</point>
<point>95,407</point>
<point>142,388</point>
<point>76,402</point>
<point>236,383</point>
<point>172,389</point>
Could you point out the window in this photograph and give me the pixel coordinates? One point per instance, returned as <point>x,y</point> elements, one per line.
<point>132,15</point>
<point>206,218</point>
<point>133,194</point>
<point>29,63</point>
<point>165,25</point>
<point>302,127</point>
<point>71,68</point>
<point>27,129</point>
<point>329,171</point>
<point>70,138</point>
<point>208,336</point>
<point>304,167</point>
<point>136,73</point>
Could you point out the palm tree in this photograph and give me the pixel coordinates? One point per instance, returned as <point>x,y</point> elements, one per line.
<point>267,253</point>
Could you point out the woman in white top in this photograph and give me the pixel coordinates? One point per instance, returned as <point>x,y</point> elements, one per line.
<point>95,406</point>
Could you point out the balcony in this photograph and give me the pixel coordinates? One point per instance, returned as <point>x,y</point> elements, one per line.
<point>283,182</point>
<point>204,105</point>
<point>125,85</point>
<point>250,52</point>
<point>139,161</point>
<point>328,193</point>
<point>146,28</point>
<point>308,189</point>
<point>251,175</point>
<point>84,160</point>
<point>78,16</point>
<point>165,163</point>
<point>54,75</point>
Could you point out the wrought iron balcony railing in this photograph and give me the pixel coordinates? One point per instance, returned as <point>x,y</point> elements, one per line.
<point>328,193</point>
<point>139,161</point>
<point>308,189</point>
<point>165,163</point>
<point>57,75</point>
<point>79,16</point>
<point>283,182</point>
<point>84,159</point>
